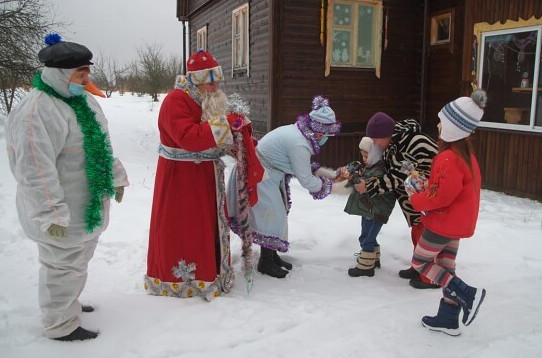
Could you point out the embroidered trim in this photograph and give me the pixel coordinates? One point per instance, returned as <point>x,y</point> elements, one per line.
<point>207,75</point>
<point>182,83</point>
<point>207,290</point>
<point>221,130</point>
<point>179,154</point>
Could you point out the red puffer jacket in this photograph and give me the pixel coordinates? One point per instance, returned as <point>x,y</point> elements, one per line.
<point>453,197</point>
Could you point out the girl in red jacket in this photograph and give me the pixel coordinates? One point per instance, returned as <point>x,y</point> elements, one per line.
<point>451,200</point>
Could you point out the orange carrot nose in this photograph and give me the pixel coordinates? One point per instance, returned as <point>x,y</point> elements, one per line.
<point>91,87</point>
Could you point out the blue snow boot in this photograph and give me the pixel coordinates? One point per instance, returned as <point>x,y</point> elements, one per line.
<point>446,320</point>
<point>469,298</point>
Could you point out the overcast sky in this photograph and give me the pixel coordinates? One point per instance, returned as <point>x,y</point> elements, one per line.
<point>118,28</point>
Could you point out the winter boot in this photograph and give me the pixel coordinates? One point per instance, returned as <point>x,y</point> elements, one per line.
<point>365,265</point>
<point>446,320</point>
<point>417,282</point>
<point>377,260</point>
<point>409,273</point>
<point>469,298</point>
<point>80,334</point>
<point>86,308</point>
<point>280,262</point>
<point>267,265</point>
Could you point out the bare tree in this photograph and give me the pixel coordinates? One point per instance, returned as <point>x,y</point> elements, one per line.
<point>106,74</point>
<point>134,80</point>
<point>153,68</point>
<point>23,24</point>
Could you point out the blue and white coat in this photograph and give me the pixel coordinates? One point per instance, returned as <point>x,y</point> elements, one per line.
<point>284,152</point>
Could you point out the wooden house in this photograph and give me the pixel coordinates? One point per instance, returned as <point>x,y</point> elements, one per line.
<point>407,58</point>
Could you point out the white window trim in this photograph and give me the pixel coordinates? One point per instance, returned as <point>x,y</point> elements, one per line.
<point>246,40</point>
<point>531,127</point>
<point>202,34</point>
<point>377,35</point>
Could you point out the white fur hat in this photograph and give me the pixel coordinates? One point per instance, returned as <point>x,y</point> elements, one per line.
<point>460,117</point>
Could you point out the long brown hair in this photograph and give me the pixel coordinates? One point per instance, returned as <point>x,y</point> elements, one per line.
<point>462,147</point>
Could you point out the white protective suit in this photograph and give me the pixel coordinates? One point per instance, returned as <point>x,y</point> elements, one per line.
<point>46,156</point>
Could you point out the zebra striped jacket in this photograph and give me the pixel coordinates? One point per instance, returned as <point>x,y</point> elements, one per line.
<point>408,143</point>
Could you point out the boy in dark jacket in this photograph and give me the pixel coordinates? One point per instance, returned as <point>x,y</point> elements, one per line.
<point>374,211</point>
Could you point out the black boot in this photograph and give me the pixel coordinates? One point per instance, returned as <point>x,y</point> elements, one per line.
<point>417,282</point>
<point>80,334</point>
<point>446,320</point>
<point>468,297</point>
<point>409,273</point>
<point>377,260</point>
<point>365,265</point>
<point>280,262</point>
<point>267,265</point>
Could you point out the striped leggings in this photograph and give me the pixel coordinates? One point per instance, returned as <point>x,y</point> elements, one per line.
<point>434,257</point>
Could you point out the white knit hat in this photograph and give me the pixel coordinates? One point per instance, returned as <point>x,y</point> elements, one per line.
<point>460,117</point>
<point>365,144</point>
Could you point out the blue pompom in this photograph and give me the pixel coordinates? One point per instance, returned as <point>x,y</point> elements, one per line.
<point>52,39</point>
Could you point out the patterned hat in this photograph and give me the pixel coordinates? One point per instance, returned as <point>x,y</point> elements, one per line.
<point>62,54</point>
<point>322,117</point>
<point>203,68</point>
<point>460,117</point>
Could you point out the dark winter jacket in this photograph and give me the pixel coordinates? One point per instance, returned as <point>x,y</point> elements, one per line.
<point>377,208</point>
<point>408,143</point>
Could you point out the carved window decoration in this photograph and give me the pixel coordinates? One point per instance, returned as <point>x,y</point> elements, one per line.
<point>354,34</point>
<point>240,39</point>
<point>201,40</point>
<point>509,70</point>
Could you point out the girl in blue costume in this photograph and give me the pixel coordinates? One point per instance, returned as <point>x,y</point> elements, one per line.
<point>285,152</point>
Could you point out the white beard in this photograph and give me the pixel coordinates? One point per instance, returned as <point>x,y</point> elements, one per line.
<point>213,104</point>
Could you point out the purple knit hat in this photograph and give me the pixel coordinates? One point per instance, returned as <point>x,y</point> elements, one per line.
<point>380,126</point>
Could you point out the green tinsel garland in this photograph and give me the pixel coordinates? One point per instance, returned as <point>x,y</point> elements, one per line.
<point>98,153</point>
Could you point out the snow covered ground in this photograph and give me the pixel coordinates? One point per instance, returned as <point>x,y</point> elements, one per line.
<point>317,311</point>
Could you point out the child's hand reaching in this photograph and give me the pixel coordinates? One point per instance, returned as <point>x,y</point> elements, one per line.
<point>343,174</point>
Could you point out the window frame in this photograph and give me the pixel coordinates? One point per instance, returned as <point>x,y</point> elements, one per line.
<point>376,43</point>
<point>243,37</point>
<point>484,30</point>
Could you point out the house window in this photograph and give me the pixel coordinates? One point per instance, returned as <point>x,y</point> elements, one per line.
<point>510,73</point>
<point>201,40</point>
<point>354,34</point>
<point>240,40</point>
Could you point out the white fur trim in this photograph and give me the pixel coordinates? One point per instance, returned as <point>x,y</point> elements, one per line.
<point>326,173</point>
<point>340,188</point>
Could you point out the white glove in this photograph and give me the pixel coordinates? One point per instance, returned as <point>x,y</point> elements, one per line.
<point>341,188</point>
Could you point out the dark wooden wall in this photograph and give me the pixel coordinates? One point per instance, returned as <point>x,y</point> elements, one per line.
<point>355,94</point>
<point>255,87</point>
<point>443,65</point>
<point>510,160</point>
